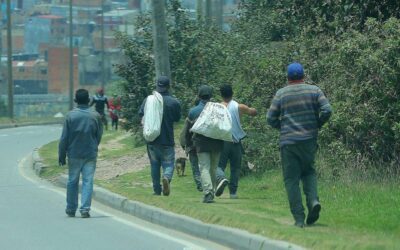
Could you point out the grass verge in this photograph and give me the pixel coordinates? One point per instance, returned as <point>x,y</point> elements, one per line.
<point>358,215</point>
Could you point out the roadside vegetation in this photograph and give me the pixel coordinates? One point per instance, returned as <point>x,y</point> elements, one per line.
<point>350,49</point>
<point>355,214</point>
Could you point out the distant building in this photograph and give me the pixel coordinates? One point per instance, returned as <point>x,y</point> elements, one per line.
<point>46,29</point>
<point>58,69</point>
<point>18,41</point>
<point>30,77</point>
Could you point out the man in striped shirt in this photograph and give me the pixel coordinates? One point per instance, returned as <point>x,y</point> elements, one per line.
<point>298,111</point>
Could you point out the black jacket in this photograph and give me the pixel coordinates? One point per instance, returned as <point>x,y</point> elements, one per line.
<point>171,114</point>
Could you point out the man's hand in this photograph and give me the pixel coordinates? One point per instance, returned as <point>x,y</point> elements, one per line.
<point>61,161</point>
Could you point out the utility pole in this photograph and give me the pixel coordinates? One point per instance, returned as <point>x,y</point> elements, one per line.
<point>219,13</point>
<point>71,59</point>
<point>199,9</point>
<point>9,63</point>
<point>207,13</point>
<point>160,38</point>
<point>103,80</point>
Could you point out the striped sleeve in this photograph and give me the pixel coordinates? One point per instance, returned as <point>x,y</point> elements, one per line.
<point>325,108</point>
<point>273,115</point>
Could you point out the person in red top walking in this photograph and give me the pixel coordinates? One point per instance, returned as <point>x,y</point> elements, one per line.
<point>115,110</point>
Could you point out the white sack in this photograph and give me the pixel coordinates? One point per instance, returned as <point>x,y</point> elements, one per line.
<point>214,122</point>
<point>153,114</point>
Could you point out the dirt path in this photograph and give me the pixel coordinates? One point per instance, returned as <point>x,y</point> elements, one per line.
<point>110,168</point>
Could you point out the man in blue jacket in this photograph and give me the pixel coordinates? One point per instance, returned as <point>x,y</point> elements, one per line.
<point>161,151</point>
<point>208,149</point>
<point>80,138</point>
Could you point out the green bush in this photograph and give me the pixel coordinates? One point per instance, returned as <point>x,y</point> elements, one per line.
<point>353,58</point>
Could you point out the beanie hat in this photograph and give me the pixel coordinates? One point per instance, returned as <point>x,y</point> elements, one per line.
<point>205,92</point>
<point>295,71</point>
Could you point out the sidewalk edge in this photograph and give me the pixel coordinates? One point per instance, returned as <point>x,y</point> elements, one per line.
<point>231,237</point>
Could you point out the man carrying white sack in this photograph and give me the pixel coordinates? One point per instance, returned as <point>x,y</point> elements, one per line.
<point>208,149</point>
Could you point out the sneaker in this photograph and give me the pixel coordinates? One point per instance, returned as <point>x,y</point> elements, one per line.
<point>199,188</point>
<point>313,215</point>
<point>220,187</point>
<point>85,214</point>
<point>70,213</point>
<point>165,184</point>
<point>208,198</point>
<point>233,196</point>
<point>299,224</point>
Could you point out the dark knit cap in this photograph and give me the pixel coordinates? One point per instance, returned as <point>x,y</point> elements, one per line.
<point>205,92</point>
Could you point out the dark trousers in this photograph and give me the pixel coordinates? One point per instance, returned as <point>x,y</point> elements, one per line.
<point>231,152</point>
<point>114,123</point>
<point>194,161</point>
<point>103,119</point>
<point>298,164</point>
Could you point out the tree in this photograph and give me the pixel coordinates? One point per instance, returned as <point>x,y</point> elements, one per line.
<point>219,13</point>
<point>199,9</point>
<point>160,40</point>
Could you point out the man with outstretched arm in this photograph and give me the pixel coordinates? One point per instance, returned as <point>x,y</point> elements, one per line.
<point>232,151</point>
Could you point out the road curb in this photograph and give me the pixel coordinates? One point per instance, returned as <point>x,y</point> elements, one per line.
<point>16,125</point>
<point>231,237</point>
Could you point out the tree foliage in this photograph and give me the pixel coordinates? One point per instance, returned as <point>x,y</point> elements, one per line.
<point>350,49</point>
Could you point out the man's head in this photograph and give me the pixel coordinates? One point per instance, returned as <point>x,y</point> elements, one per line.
<point>295,71</point>
<point>226,91</point>
<point>100,91</point>
<point>82,97</point>
<point>162,84</point>
<point>205,92</point>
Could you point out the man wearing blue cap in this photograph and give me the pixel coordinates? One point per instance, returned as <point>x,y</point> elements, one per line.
<point>298,111</point>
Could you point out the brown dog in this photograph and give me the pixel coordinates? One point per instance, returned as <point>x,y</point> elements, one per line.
<point>180,164</point>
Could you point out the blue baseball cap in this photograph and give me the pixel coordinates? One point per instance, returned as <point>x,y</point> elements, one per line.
<point>295,71</point>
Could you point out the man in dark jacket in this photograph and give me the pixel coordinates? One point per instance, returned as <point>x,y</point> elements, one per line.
<point>81,136</point>
<point>161,151</point>
<point>100,101</point>
<point>298,111</point>
<point>208,149</point>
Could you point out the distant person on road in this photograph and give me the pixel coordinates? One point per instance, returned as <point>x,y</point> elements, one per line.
<point>299,110</point>
<point>80,138</point>
<point>232,151</point>
<point>115,110</point>
<point>101,102</point>
<point>161,151</point>
<point>208,149</point>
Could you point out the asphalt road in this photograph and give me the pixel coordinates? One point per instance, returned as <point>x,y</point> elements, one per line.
<point>32,211</point>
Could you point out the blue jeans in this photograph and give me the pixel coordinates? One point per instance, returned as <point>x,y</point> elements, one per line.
<point>161,156</point>
<point>75,167</point>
